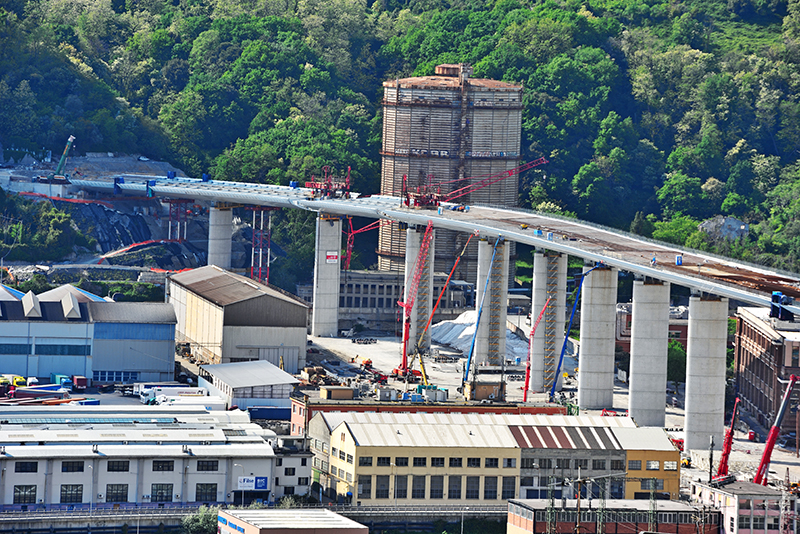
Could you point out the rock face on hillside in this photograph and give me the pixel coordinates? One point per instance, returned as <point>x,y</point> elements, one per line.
<point>111,228</point>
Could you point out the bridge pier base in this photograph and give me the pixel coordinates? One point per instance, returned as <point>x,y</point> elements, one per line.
<point>549,280</point>
<point>220,221</point>
<point>424,300</point>
<point>705,371</point>
<point>327,267</point>
<point>490,343</point>
<point>598,329</point>
<point>648,364</point>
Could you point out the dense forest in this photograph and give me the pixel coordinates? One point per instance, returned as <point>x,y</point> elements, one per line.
<point>655,115</point>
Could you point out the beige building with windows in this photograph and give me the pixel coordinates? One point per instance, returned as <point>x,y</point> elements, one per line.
<point>377,458</point>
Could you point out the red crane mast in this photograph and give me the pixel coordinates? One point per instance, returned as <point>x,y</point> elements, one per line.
<point>407,306</point>
<point>762,474</point>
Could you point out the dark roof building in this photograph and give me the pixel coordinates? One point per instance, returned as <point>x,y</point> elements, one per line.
<point>228,318</point>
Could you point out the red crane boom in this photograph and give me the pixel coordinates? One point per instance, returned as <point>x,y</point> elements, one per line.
<point>727,445</point>
<point>429,195</point>
<point>762,474</point>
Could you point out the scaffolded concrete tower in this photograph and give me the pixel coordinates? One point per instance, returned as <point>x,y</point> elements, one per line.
<point>438,131</point>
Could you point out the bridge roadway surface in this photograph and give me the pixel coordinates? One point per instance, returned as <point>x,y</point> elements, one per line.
<point>701,272</point>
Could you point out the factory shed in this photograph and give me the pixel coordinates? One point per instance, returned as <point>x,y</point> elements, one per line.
<point>72,332</point>
<point>246,384</point>
<point>227,318</point>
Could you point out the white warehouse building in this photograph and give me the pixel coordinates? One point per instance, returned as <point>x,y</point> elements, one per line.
<point>228,318</point>
<point>66,457</point>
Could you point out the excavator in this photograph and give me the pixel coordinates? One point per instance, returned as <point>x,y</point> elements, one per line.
<point>58,175</point>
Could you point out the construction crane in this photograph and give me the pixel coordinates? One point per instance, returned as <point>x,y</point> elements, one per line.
<point>727,445</point>
<point>58,174</point>
<point>430,195</point>
<point>530,348</point>
<point>411,297</point>
<point>417,349</point>
<point>329,186</point>
<point>351,235</point>
<point>762,474</point>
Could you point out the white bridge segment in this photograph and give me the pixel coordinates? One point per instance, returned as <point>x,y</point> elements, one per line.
<point>616,249</point>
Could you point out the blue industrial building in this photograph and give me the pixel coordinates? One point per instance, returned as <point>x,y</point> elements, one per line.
<point>69,331</point>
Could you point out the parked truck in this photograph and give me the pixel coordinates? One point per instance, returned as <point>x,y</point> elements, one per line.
<point>62,380</point>
<point>149,395</point>
<point>16,380</point>
<point>80,383</point>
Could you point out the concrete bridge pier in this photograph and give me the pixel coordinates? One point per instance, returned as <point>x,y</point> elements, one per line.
<point>598,329</point>
<point>490,343</point>
<point>705,371</point>
<point>648,365</point>
<point>549,280</point>
<point>220,221</point>
<point>424,300</point>
<point>327,267</point>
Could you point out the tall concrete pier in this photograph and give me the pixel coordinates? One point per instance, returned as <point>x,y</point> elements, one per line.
<point>490,343</point>
<point>424,299</point>
<point>220,220</point>
<point>649,339</point>
<point>327,267</point>
<point>705,371</point>
<point>598,329</point>
<point>549,280</point>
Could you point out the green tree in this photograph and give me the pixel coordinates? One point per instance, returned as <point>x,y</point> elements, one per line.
<point>203,521</point>
<point>676,362</point>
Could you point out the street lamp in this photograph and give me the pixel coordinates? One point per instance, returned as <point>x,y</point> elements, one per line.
<point>240,465</point>
<point>462,518</point>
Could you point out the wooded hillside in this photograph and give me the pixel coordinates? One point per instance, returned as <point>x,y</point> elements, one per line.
<point>655,115</point>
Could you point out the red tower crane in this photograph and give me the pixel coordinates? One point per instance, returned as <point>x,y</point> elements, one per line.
<point>411,297</point>
<point>762,474</point>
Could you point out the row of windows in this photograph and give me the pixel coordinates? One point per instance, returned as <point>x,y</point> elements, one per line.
<point>115,376</point>
<point>421,461</point>
<point>758,522</point>
<point>114,466</point>
<point>115,493</point>
<point>433,487</point>
<point>379,302</point>
<point>597,465</point>
<point>46,350</point>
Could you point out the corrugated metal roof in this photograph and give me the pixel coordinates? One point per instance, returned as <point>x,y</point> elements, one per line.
<point>224,288</point>
<point>557,437</point>
<point>240,450</point>
<point>131,312</point>
<point>55,295</point>
<point>298,518</point>
<point>645,438</point>
<point>9,293</point>
<point>249,374</point>
<point>430,435</point>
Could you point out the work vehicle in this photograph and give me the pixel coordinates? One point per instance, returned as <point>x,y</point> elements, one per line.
<point>149,396</point>
<point>16,380</point>
<point>62,380</point>
<point>80,383</point>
